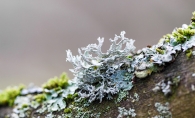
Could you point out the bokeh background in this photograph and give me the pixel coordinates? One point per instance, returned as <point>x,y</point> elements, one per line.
<point>35,34</point>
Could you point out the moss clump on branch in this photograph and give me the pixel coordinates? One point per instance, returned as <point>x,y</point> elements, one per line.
<point>193,18</point>
<point>8,96</point>
<point>189,53</point>
<point>57,83</point>
<point>40,97</point>
<point>183,34</point>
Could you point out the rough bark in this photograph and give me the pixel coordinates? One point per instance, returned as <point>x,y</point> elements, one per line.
<point>181,100</point>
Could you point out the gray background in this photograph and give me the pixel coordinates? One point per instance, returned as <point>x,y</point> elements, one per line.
<point>35,34</point>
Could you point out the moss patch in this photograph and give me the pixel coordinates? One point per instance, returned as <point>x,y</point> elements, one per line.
<point>57,83</point>
<point>8,96</point>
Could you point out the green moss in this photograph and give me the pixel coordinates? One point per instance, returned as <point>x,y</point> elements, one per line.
<point>189,53</point>
<point>176,81</point>
<point>40,97</point>
<point>57,83</point>
<point>193,17</point>
<point>129,57</point>
<point>167,40</point>
<point>67,110</point>
<point>188,32</point>
<point>160,51</point>
<point>182,35</point>
<point>8,96</point>
<point>193,24</point>
<point>70,97</point>
<point>95,67</point>
<point>179,37</point>
<point>25,106</point>
<point>167,37</point>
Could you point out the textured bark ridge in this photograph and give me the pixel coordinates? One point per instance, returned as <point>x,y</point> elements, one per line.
<point>181,99</point>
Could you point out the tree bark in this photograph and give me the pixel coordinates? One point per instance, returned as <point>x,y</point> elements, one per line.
<point>181,100</point>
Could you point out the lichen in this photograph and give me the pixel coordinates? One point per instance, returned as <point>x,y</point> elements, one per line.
<point>111,72</point>
<point>51,98</point>
<point>57,100</point>
<point>106,74</point>
<point>135,97</point>
<point>124,112</point>
<point>163,110</point>
<point>166,85</point>
<point>121,96</point>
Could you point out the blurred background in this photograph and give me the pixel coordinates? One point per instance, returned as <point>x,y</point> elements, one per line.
<point>35,34</point>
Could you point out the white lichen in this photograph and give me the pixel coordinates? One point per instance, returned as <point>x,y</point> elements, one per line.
<point>106,73</point>
<point>166,84</point>
<point>163,110</point>
<point>124,112</point>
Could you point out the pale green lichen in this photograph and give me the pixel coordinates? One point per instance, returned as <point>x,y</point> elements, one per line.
<point>57,100</point>
<point>121,96</point>
<point>52,98</point>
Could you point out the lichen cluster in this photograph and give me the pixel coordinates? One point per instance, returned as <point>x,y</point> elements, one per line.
<point>163,110</point>
<point>166,85</point>
<point>106,73</point>
<point>109,73</point>
<point>124,112</point>
<point>100,75</point>
<point>52,97</point>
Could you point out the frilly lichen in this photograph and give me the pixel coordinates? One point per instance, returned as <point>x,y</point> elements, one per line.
<point>109,73</point>
<point>105,74</point>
